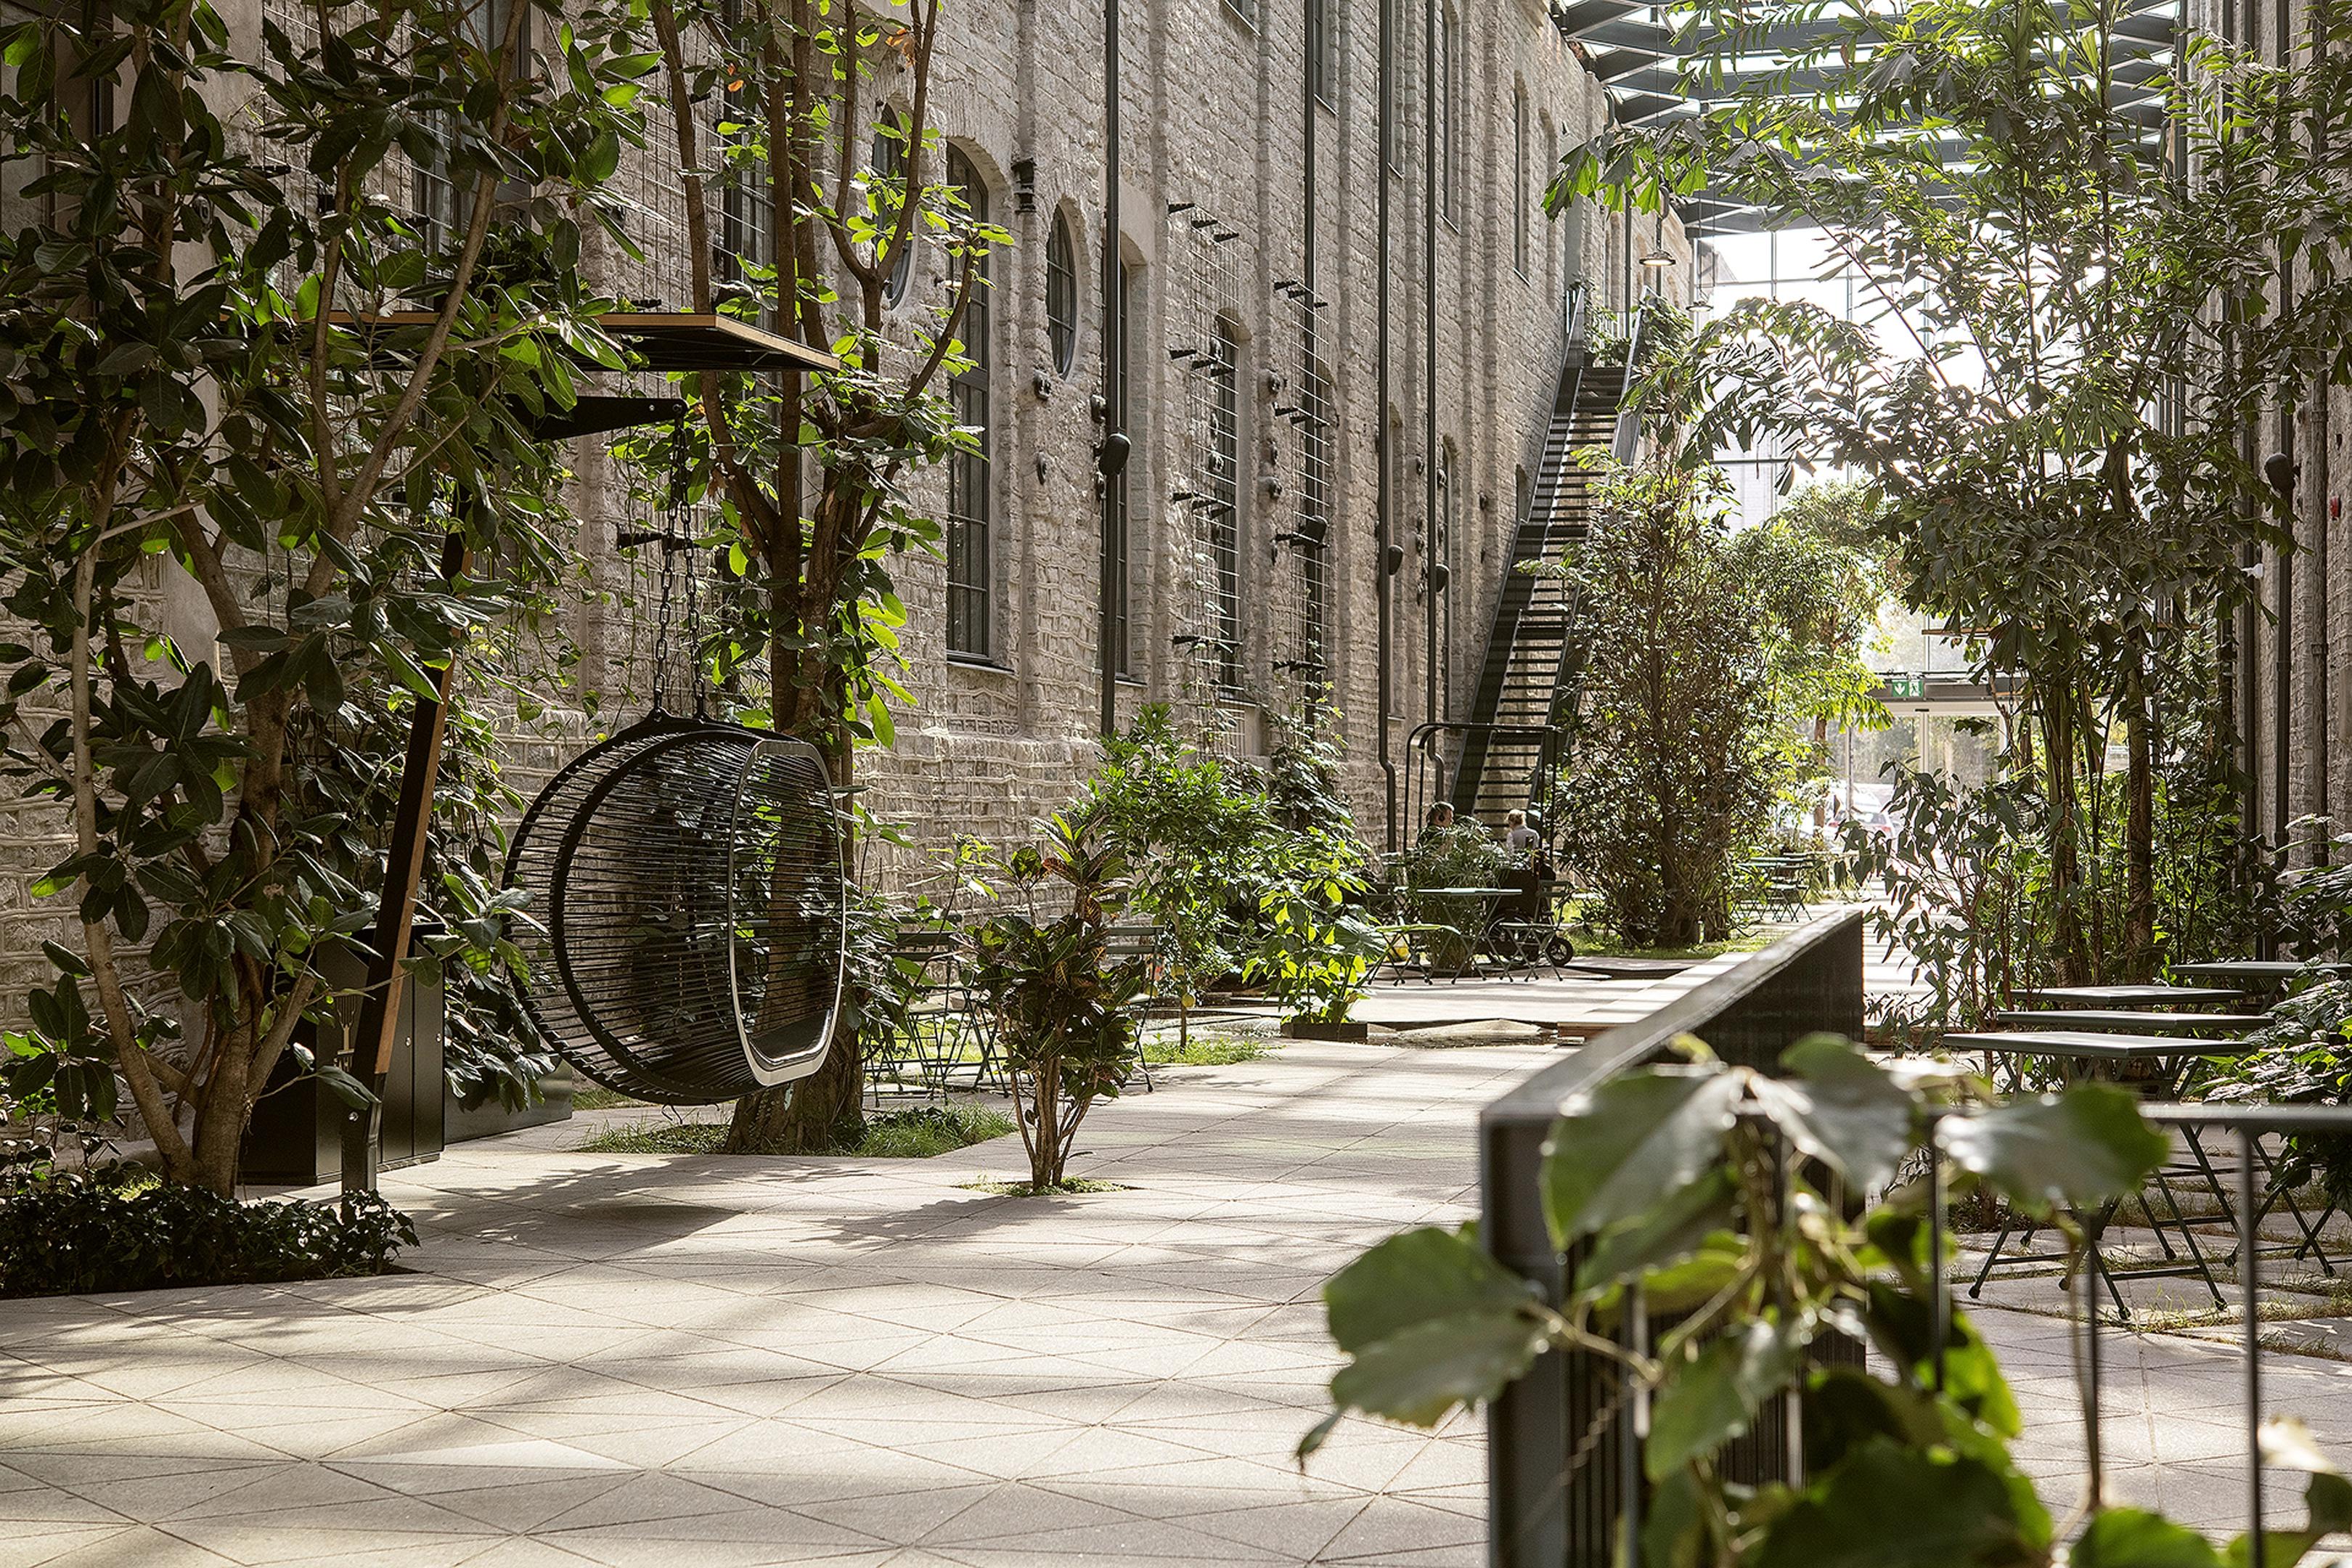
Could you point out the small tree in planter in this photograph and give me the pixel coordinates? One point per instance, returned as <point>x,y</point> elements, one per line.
<point>1065,1016</point>
<point>1316,953</point>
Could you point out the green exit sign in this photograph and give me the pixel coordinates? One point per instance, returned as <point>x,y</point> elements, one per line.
<point>1902,684</point>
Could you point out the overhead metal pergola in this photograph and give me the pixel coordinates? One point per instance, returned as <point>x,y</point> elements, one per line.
<point>1661,62</point>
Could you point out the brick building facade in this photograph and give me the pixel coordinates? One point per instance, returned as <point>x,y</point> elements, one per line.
<point>1253,130</point>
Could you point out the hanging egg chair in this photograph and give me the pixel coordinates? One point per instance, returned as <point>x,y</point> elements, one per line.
<point>687,882</point>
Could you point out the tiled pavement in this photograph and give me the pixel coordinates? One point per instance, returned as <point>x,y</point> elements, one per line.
<point>640,1360</point>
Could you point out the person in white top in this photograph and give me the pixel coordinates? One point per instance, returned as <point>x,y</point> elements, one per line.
<point>1518,837</point>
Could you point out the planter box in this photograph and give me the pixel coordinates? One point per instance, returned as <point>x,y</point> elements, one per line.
<point>1309,1029</point>
<point>295,1137</point>
<point>462,1123</point>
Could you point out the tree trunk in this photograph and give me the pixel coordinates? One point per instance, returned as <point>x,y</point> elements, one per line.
<point>2058,761</point>
<point>2139,824</point>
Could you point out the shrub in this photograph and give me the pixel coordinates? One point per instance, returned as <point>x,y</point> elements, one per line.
<point>1678,754</point>
<point>78,1232</point>
<point>1065,1016</point>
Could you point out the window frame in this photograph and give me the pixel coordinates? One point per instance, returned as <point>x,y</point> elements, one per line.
<point>971,618</point>
<point>1062,296</point>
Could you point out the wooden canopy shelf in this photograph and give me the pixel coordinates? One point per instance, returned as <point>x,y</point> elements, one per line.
<point>663,340</point>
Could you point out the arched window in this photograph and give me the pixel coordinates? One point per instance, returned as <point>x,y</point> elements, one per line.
<point>1062,295</point>
<point>887,193</point>
<point>970,501</point>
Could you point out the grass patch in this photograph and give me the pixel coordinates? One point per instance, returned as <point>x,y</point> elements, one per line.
<point>1028,1190</point>
<point>658,1138</point>
<point>1204,1051</point>
<point>916,1135</point>
<point>930,1129</point>
<point>1594,944</point>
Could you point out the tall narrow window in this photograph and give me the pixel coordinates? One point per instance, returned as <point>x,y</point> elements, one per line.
<point>1520,200</point>
<point>1122,488</point>
<point>1225,501</point>
<point>1062,295</point>
<point>1322,53</point>
<point>1446,101</point>
<point>969,502</point>
<point>886,194</point>
<point>741,243</point>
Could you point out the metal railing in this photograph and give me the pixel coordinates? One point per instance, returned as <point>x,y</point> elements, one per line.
<point>1541,1507</point>
<point>1564,1462</point>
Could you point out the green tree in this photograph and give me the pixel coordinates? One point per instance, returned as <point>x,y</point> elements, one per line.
<point>1189,823</point>
<point>2085,317</point>
<point>1820,573</point>
<point>230,355</point>
<point>854,189</point>
<point>1674,764</point>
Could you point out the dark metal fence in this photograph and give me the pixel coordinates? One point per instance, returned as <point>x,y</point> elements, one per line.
<point>1563,1460</point>
<point>1543,1509</point>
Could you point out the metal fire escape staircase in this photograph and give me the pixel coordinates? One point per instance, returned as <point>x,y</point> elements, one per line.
<point>1522,718</point>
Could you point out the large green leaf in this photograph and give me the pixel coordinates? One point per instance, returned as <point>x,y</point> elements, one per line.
<point>1841,1106</point>
<point>1698,1278</point>
<point>1431,1323</point>
<point>1665,1234</point>
<point>1414,1276</point>
<point>1615,1151</point>
<point>2287,1444</point>
<point>2078,1148</point>
<point>1419,1374</point>
<point>2134,1538</point>
<point>1710,1399</point>
<point>1904,1327</point>
<point>1891,1505</point>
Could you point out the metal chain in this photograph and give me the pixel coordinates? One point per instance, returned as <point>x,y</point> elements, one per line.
<point>670,543</point>
<point>661,615</point>
<point>694,619</point>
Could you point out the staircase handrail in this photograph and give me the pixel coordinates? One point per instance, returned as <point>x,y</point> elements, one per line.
<point>1627,439</point>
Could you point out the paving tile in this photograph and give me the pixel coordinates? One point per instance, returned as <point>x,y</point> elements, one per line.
<point>642,1363</point>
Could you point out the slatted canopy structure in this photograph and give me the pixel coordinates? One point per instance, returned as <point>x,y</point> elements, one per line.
<point>1659,62</point>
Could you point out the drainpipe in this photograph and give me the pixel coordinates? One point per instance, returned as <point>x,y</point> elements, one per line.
<point>1433,93</point>
<point>1315,559</point>
<point>1385,521</point>
<point>1111,461</point>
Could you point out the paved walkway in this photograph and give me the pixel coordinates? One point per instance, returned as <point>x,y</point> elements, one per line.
<point>640,1360</point>
<point>633,1361</point>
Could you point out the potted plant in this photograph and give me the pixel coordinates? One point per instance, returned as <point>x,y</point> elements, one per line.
<point>1316,952</point>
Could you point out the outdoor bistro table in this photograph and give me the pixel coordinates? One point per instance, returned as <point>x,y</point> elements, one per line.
<point>1480,920</point>
<point>2123,1021</point>
<point>2084,1053</point>
<point>2129,996</point>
